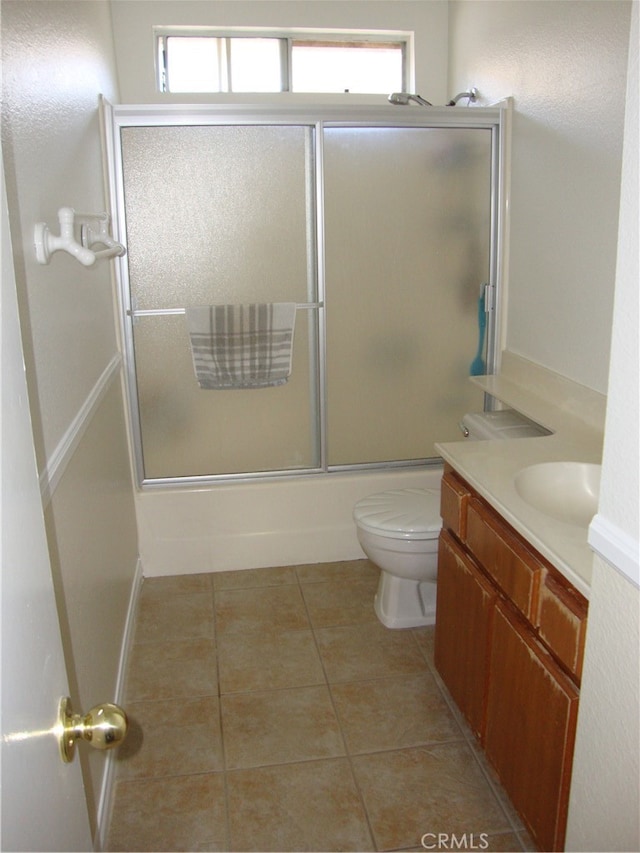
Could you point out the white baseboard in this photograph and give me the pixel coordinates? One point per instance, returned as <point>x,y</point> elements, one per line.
<point>105,803</point>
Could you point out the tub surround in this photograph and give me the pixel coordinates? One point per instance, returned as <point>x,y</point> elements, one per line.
<point>237,526</point>
<point>575,416</point>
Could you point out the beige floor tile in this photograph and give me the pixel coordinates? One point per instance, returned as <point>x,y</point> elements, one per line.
<point>340,602</point>
<point>361,652</point>
<point>183,669</point>
<point>425,638</point>
<point>309,806</point>
<point>343,570</point>
<point>262,610</point>
<point>507,842</point>
<point>168,587</point>
<point>490,773</point>
<point>526,841</point>
<point>393,713</point>
<point>426,789</point>
<point>171,738</point>
<point>175,813</point>
<point>271,661</point>
<point>277,576</point>
<point>162,619</point>
<point>290,787</point>
<point>280,726</point>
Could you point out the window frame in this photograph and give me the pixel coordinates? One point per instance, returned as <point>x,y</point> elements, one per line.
<point>322,37</point>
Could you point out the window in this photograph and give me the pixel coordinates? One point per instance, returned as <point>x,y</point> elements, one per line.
<point>360,67</point>
<point>194,61</point>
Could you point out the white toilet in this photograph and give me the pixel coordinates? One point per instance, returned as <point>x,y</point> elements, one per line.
<point>398,531</point>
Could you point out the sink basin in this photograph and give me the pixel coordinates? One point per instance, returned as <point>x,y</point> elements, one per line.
<point>566,491</point>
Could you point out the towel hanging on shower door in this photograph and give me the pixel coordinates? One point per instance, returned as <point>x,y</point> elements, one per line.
<point>241,346</point>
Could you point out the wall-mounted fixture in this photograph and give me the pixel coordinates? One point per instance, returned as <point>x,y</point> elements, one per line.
<point>85,236</point>
<point>471,95</point>
<point>401,99</point>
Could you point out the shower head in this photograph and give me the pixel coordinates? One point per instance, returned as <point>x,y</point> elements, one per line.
<point>472,95</point>
<point>402,99</point>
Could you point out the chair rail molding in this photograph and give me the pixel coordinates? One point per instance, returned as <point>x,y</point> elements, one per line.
<point>59,459</point>
<point>616,547</point>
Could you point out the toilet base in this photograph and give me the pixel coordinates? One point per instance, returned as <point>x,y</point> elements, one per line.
<point>404,603</point>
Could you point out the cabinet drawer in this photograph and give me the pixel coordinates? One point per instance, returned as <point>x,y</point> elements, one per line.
<point>454,496</point>
<point>562,623</point>
<point>504,557</point>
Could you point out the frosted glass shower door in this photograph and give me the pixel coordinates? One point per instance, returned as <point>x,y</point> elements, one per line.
<point>219,215</point>
<point>407,248</point>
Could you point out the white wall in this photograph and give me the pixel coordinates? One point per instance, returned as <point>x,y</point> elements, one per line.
<point>604,812</point>
<point>133,21</point>
<point>57,58</point>
<point>564,63</point>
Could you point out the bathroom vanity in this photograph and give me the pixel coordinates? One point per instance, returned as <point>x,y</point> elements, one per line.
<point>510,634</point>
<point>513,588</point>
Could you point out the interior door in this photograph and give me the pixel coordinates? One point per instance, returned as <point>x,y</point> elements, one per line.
<point>43,802</point>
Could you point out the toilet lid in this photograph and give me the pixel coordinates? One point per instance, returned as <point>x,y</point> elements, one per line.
<point>401,513</point>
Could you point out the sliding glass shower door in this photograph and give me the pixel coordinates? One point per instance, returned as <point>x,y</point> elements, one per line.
<point>407,237</point>
<point>219,215</point>
<point>382,234</point>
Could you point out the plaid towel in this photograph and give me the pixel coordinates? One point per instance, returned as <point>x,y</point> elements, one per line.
<point>241,346</point>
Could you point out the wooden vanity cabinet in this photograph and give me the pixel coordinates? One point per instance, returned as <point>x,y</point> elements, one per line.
<point>532,709</point>
<point>509,641</point>
<point>466,601</point>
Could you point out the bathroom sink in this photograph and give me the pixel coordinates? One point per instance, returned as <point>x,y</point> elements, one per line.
<point>566,491</point>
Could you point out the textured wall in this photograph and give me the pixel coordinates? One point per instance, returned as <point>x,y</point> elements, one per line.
<point>603,813</point>
<point>56,60</point>
<point>133,21</point>
<point>564,63</point>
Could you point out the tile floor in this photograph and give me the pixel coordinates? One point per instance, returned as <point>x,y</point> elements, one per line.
<point>270,710</point>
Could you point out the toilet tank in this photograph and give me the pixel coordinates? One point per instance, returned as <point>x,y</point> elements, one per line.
<point>483,426</point>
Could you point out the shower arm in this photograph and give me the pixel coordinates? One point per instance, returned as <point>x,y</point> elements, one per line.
<point>472,96</point>
<point>402,99</point>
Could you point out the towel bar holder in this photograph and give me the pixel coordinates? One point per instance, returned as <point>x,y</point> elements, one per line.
<point>163,312</point>
<point>92,229</point>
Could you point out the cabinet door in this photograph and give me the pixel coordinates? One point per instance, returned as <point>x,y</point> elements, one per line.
<point>531,718</point>
<point>464,609</point>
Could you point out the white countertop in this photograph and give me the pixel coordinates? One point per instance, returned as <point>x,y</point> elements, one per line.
<point>575,416</point>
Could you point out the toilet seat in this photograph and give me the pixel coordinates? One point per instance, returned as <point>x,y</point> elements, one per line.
<point>401,514</point>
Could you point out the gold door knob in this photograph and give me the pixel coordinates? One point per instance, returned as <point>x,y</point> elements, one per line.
<point>104,727</point>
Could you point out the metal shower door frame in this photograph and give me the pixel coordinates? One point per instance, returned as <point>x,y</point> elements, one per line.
<point>117,117</point>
